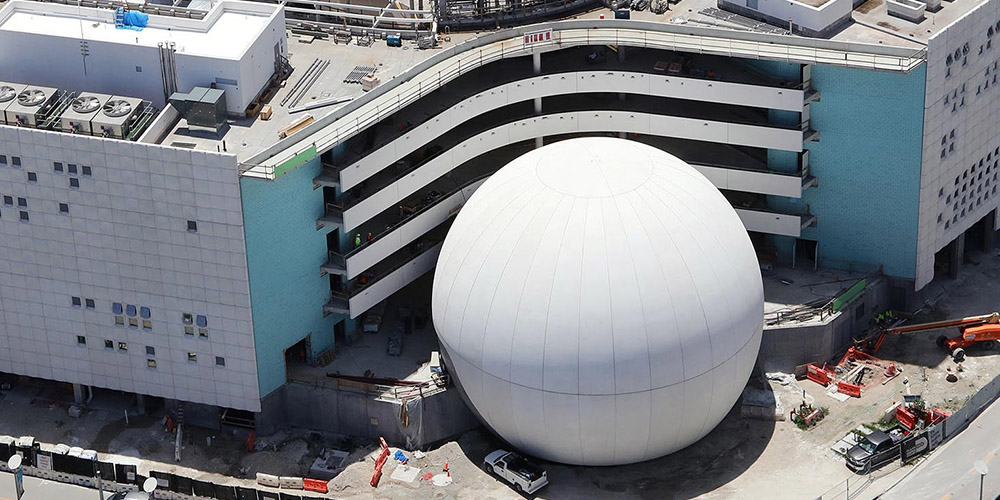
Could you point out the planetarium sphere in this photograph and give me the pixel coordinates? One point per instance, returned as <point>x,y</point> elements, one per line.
<point>599,302</point>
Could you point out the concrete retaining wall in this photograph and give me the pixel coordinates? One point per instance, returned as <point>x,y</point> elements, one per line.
<point>783,348</point>
<point>354,413</point>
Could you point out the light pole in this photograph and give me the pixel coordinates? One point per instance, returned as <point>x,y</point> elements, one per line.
<point>14,464</point>
<point>100,485</point>
<point>983,471</point>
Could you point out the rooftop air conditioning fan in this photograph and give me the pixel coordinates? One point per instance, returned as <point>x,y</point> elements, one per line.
<point>117,107</point>
<point>7,93</point>
<point>86,104</point>
<point>77,117</point>
<point>31,98</point>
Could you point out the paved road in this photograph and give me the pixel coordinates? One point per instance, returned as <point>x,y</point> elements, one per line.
<point>40,489</point>
<point>948,473</point>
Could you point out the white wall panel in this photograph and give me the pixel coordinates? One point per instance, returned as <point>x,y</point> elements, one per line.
<point>394,281</point>
<point>771,223</point>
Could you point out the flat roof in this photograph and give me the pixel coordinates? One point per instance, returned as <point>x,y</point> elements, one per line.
<point>225,32</point>
<point>248,136</point>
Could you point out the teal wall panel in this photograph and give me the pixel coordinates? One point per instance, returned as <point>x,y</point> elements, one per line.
<point>284,253</point>
<point>868,166</point>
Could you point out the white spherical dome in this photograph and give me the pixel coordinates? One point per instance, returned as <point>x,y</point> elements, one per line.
<point>599,302</point>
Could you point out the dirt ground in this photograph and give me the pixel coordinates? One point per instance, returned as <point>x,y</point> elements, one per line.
<point>741,458</point>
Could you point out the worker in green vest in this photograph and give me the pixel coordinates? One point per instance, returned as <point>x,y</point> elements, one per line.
<point>357,240</point>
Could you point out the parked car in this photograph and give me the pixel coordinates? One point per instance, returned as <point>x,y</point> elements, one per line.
<point>875,449</point>
<point>517,470</point>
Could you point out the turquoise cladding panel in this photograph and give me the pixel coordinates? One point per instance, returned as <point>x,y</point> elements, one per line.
<point>284,254</point>
<point>868,166</point>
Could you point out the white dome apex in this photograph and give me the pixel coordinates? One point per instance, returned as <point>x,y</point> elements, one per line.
<point>600,302</point>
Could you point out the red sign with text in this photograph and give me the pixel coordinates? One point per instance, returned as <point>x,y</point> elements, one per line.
<point>536,37</point>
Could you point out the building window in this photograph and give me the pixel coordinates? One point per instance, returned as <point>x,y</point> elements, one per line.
<point>202,321</point>
<point>90,303</point>
<point>203,333</point>
<point>123,346</point>
<point>134,323</point>
<point>150,350</point>
<point>116,307</point>
<point>71,168</point>
<point>144,312</point>
<point>76,301</point>
<point>57,166</point>
<point>192,226</point>
<point>130,310</point>
<point>32,177</point>
<point>64,208</point>
<point>151,363</point>
<point>188,330</point>
<point>81,340</point>
<point>3,159</point>
<point>188,319</point>
<point>22,202</point>
<point>147,325</point>
<point>120,320</point>
<point>86,170</point>
<point>220,361</point>
<point>24,216</point>
<point>15,160</point>
<point>193,357</point>
<point>8,200</point>
<point>74,182</point>
<point>109,344</point>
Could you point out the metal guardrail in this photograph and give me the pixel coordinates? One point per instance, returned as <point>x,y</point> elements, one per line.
<point>447,65</point>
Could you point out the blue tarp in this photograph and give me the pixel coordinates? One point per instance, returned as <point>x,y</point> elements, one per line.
<point>131,20</point>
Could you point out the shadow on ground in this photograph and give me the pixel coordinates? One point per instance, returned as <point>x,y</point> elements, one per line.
<point>712,462</point>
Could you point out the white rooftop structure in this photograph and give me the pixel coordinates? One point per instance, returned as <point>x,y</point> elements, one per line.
<point>233,47</point>
<point>599,302</point>
<point>226,32</point>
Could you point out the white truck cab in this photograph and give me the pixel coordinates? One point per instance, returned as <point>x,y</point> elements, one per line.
<point>517,470</point>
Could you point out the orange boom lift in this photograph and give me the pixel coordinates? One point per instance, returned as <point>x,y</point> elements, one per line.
<point>972,330</point>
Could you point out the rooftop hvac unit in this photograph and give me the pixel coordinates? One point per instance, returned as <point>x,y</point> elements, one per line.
<point>202,107</point>
<point>114,118</point>
<point>8,94</point>
<point>30,106</point>
<point>81,110</point>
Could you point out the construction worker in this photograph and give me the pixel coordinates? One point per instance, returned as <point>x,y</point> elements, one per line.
<point>370,237</point>
<point>357,240</point>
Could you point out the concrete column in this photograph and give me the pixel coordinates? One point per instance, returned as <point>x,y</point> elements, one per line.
<point>539,142</point>
<point>536,62</point>
<point>140,403</point>
<point>78,396</point>
<point>957,256</point>
<point>622,135</point>
<point>621,53</point>
<point>538,105</point>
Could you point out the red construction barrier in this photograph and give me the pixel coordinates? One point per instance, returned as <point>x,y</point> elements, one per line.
<point>314,485</point>
<point>849,389</point>
<point>906,418</point>
<point>818,375</point>
<point>379,462</point>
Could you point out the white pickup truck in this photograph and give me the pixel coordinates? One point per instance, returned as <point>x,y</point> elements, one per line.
<point>524,475</point>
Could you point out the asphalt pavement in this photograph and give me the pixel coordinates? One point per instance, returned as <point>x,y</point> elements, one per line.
<point>949,474</point>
